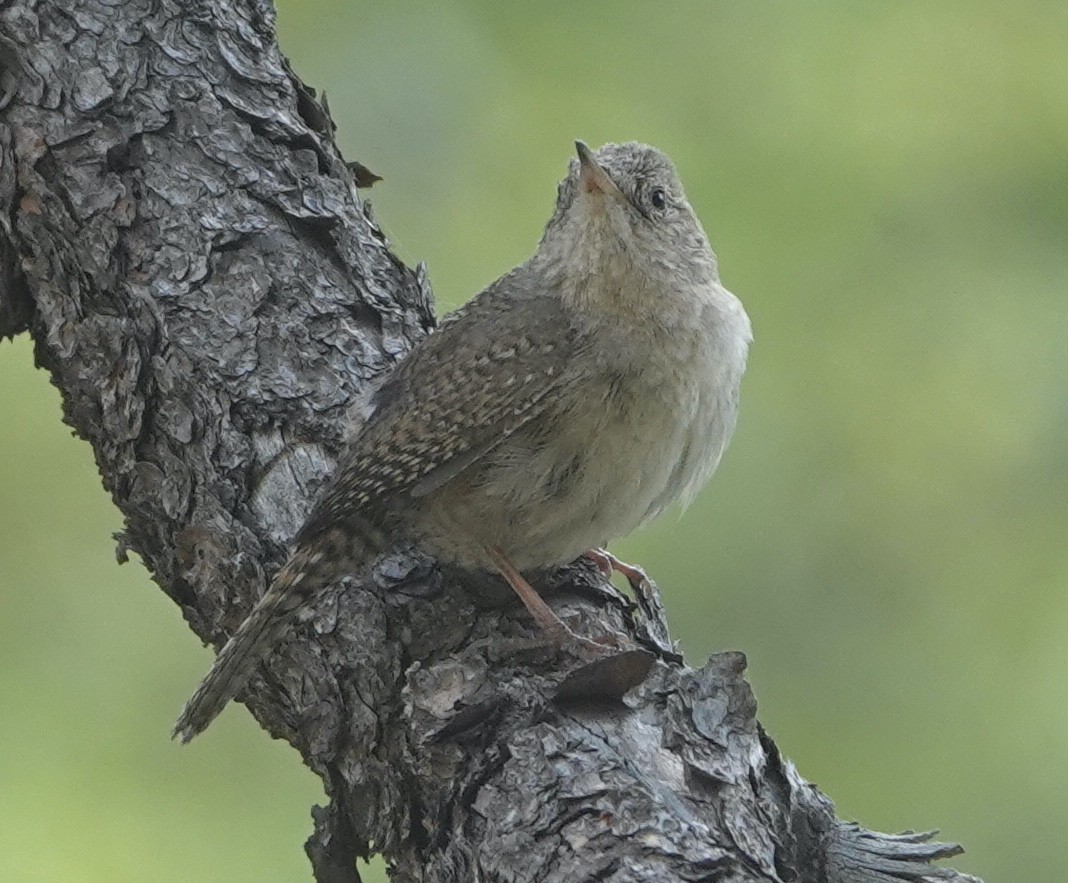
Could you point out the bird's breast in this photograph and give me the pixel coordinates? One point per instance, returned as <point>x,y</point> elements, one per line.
<point>647,428</point>
<point>643,424</point>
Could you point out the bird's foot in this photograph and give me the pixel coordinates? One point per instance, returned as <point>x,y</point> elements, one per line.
<point>563,638</point>
<point>566,639</point>
<point>608,564</point>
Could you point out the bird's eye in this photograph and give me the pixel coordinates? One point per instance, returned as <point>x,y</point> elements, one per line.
<point>658,198</point>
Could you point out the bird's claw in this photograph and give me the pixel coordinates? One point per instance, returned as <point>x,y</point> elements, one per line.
<point>608,564</point>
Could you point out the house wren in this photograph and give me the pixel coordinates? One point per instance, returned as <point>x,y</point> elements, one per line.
<point>573,400</point>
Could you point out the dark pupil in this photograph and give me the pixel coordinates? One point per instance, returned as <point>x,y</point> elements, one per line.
<point>658,199</point>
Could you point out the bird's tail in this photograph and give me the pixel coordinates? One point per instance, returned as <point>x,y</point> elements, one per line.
<point>307,571</point>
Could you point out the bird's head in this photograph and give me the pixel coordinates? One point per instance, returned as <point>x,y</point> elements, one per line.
<point>622,211</point>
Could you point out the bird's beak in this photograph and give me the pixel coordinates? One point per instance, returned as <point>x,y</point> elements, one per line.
<point>592,177</point>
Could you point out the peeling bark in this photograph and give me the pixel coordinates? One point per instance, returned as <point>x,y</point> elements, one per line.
<point>182,239</point>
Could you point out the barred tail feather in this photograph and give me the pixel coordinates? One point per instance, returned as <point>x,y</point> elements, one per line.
<point>306,572</point>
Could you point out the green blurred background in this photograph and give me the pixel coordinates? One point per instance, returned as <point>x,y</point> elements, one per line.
<point>887,188</point>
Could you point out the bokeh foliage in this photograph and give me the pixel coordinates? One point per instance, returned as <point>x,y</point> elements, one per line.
<point>887,188</point>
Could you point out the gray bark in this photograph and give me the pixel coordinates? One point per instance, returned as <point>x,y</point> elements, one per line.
<point>182,239</point>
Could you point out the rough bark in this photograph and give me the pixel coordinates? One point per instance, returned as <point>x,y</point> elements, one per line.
<point>183,240</point>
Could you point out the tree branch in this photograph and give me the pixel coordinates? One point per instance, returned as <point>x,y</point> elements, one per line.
<point>184,242</point>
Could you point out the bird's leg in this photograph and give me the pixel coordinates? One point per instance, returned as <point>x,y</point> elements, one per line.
<point>608,564</point>
<point>543,614</point>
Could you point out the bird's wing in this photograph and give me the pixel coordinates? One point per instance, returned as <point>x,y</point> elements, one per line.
<point>492,366</point>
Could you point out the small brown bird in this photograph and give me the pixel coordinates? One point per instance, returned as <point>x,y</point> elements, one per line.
<point>572,401</point>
